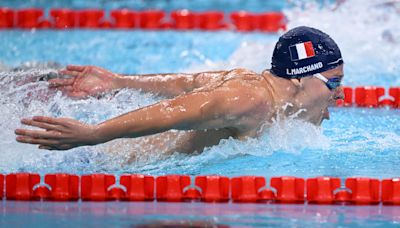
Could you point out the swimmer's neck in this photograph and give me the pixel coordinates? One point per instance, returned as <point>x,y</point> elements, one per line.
<point>282,90</point>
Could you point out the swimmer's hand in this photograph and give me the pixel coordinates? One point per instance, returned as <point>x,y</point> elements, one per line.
<point>57,133</point>
<point>85,81</point>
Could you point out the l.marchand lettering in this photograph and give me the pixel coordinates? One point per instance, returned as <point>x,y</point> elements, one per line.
<point>304,69</point>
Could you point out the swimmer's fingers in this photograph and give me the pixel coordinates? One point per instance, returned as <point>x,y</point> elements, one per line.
<point>43,147</point>
<point>45,143</point>
<point>76,68</point>
<point>72,70</point>
<point>61,147</point>
<point>60,82</point>
<point>70,73</point>
<point>66,89</point>
<point>25,134</point>
<point>37,141</point>
<point>63,126</point>
<point>42,125</point>
<point>51,120</point>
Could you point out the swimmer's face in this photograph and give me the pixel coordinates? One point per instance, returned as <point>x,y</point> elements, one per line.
<point>319,97</point>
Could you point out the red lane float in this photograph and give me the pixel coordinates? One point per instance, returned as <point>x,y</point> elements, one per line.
<point>45,24</point>
<point>90,18</point>
<point>244,21</point>
<point>170,188</point>
<point>106,25</point>
<point>271,21</point>
<point>1,186</point>
<point>116,193</point>
<point>288,189</point>
<point>41,192</point>
<point>29,18</point>
<point>363,190</point>
<point>147,19</point>
<point>19,186</point>
<point>192,194</point>
<point>177,188</point>
<point>6,18</point>
<point>211,20</point>
<point>213,188</point>
<point>368,96</point>
<point>151,19</point>
<point>94,187</point>
<point>64,187</point>
<point>138,187</point>
<point>124,19</point>
<point>343,196</point>
<point>63,18</point>
<point>395,93</point>
<point>266,196</point>
<point>391,191</point>
<point>249,189</point>
<point>183,19</point>
<point>320,190</point>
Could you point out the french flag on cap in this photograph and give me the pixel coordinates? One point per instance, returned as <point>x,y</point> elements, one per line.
<point>301,51</point>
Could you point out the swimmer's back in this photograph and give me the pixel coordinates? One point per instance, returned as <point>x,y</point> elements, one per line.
<point>241,76</point>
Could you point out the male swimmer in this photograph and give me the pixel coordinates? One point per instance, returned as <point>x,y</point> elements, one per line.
<point>305,78</point>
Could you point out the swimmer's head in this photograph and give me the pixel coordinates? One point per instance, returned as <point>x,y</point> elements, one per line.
<point>304,51</point>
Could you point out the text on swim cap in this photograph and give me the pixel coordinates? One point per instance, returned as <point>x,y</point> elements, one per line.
<point>304,69</point>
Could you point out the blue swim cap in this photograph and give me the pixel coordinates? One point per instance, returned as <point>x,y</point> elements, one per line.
<point>304,51</point>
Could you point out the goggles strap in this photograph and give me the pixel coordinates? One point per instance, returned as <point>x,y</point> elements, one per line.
<point>320,77</point>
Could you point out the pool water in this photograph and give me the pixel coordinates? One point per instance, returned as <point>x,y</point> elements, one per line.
<point>355,142</point>
<point>139,214</point>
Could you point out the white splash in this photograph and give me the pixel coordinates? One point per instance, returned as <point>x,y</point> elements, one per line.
<point>366,32</point>
<point>251,55</point>
<point>24,96</point>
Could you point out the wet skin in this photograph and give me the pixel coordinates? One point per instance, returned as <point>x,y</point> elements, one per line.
<point>209,106</point>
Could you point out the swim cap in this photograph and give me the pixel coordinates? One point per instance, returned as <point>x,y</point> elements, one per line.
<point>304,51</point>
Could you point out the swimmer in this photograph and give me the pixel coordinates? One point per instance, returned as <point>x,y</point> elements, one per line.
<point>305,79</point>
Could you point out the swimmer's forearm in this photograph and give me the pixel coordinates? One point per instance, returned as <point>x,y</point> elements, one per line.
<point>172,74</point>
<point>131,125</point>
<point>164,84</point>
<point>169,85</point>
<point>195,111</point>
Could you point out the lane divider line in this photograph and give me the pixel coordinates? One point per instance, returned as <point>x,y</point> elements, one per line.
<point>370,97</point>
<point>152,19</point>
<point>206,188</point>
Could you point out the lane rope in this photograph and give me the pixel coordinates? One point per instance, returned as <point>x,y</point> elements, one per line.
<point>209,188</point>
<point>35,18</point>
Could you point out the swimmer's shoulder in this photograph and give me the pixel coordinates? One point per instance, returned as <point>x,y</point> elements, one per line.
<point>252,84</point>
<point>240,73</point>
<point>244,77</point>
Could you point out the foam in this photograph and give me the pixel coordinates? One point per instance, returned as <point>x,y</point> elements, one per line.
<point>366,32</point>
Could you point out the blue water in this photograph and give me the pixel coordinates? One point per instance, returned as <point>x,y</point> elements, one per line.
<point>355,142</point>
<point>131,52</point>
<point>131,214</point>
<point>195,5</point>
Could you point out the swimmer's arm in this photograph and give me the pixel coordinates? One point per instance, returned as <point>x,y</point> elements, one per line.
<point>224,107</point>
<point>85,81</point>
<point>220,108</point>
<point>169,85</point>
